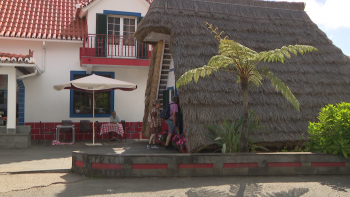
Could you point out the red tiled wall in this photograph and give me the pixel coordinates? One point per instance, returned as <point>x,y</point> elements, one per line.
<point>35,130</point>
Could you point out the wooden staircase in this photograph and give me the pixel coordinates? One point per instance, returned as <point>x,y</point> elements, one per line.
<point>164,72</point>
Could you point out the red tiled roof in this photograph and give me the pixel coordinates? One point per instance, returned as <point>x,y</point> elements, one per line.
<point>18,58</point>
<point>85,3</point>
<point>46,19</point>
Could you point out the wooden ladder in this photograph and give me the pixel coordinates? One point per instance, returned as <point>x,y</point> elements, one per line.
<point>164,72</point>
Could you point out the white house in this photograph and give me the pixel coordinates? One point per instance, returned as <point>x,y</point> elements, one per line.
<point>70,39</point>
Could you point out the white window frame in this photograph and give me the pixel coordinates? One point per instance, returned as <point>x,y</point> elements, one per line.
<point>122,50</point>
<point>122,22</point>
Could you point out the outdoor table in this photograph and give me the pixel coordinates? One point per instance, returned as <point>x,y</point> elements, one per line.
<point>58,127</point>
<point>115,128</point>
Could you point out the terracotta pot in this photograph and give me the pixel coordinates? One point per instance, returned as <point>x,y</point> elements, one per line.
<point>162,143</point>
<point>183,151</point>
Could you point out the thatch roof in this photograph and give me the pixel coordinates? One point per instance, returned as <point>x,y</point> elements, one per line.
<point>316,79</point>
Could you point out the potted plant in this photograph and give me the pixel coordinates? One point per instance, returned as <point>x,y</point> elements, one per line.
<point>180,142</point>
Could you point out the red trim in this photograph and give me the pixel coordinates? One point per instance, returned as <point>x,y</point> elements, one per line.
<point>284,164</point>
<point>106,166</point>
<point>79,163</point>
<point>241,165</point>
<point>149,166</point>
<point>114,61</point>
<point>328,164</point>
<point>195,165</point>
<point>35,132</point>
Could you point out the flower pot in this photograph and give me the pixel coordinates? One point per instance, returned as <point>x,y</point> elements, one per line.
<point>183,151</point>
<point>162,143</point>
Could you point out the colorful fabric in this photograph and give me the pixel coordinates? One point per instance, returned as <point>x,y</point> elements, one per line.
<point>173,108</point>
<point>157,127</point>
<point>115,128</point>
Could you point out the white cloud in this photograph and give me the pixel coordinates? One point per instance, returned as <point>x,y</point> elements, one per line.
<point>332,14</point>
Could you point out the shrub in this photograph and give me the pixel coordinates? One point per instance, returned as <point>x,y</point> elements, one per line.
<point>331,134</point>
<point>228,135</point>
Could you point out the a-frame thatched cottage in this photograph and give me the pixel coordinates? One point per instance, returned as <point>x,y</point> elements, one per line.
<point>316,79</point>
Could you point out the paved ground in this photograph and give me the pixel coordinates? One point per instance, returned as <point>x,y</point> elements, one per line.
<point>44,156</point>
<point>67,184</point>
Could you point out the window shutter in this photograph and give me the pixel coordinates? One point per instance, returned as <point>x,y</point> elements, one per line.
<point>101,28</point>
<point>101,23</point>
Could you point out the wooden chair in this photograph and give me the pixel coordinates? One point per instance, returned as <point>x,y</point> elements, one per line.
<point>66,130</point>
<point>132,128</point>
<point>51,131</point>
<point>85,127</point>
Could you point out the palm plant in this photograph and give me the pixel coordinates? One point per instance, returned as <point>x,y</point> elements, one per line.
<point>238,59</point>
<point>228,135</point>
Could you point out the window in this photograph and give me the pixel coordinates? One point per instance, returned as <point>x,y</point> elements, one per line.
<point>121,28</point>
<point>81,101</point>
<point>113,30</point>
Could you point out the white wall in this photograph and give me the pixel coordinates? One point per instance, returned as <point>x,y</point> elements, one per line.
<point>171,76</point>
<point>129,105</point>
<point>139,6</point>
<point>43,103</point>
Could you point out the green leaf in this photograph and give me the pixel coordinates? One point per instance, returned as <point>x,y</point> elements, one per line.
<point>281,87</point>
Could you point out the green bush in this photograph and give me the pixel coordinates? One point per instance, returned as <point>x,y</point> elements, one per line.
<point>228,135</point>
<point>331,134</point>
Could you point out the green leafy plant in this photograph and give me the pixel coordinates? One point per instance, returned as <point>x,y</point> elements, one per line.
<point>331,134</point>
<point>298,149</point>
<point>94,177</point>
<point>228,135</point>
<point>253,124</point>
<point>285,149</point>
<point>240,60</point>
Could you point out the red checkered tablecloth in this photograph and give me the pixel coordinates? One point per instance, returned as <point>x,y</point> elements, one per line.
<point>116,128</point>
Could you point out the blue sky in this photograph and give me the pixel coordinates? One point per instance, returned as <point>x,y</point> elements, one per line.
<point>333,18</point>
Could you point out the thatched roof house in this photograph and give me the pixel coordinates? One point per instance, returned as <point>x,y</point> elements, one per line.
<point>316,79</point>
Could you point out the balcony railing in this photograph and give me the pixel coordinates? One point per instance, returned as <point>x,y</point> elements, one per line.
<point>110,46</point>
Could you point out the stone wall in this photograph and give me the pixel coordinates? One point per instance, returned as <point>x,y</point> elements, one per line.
<point>191,165</point>
<point>20,139</point>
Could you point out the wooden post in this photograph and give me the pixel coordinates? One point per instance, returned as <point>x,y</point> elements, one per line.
<point>153,87</point>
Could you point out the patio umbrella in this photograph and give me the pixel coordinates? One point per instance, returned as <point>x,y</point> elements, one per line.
<point>94,83</point>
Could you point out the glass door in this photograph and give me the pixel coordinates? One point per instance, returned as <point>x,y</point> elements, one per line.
<point>121,41</point>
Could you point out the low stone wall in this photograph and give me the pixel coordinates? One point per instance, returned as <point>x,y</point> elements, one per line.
<point>190,165</point>
<point>19,139</point>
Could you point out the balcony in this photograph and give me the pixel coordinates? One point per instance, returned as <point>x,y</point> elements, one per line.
<point>111,50</point>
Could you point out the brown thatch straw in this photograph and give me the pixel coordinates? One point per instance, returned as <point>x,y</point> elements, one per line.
<point>316,79</point>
